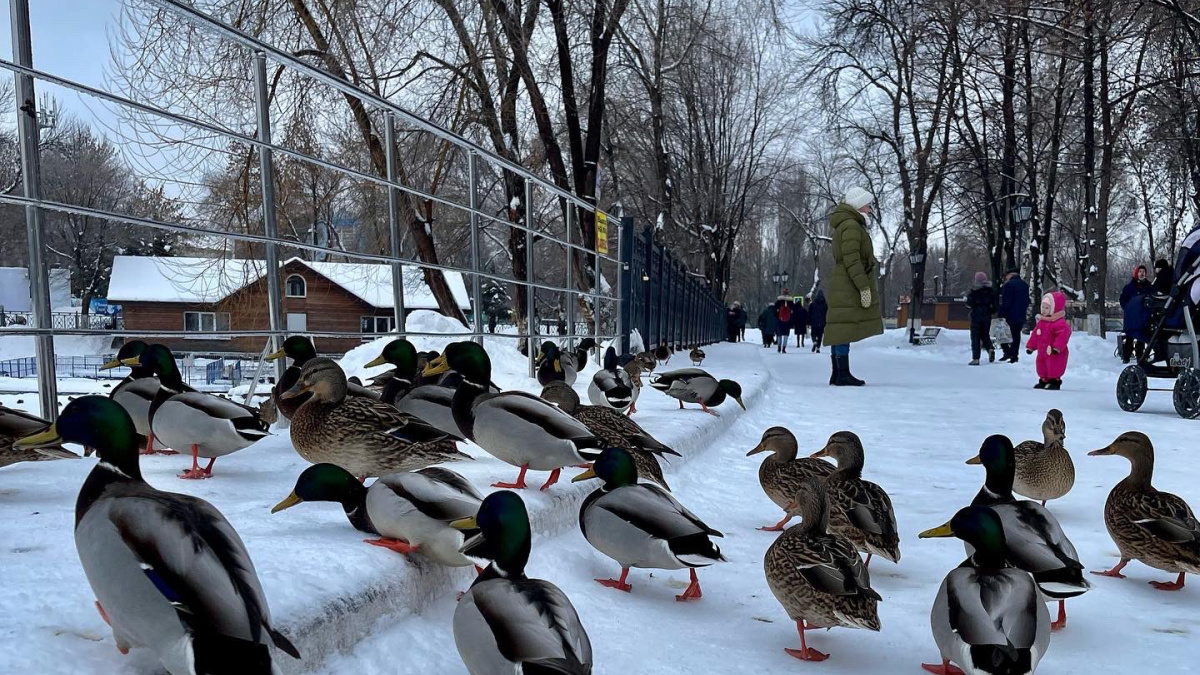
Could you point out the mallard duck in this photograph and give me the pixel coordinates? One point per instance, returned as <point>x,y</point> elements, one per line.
<point>781,473</point>
<point>662,354</point>
<point>817,576</point>
<point>429,401</point>
<point>642,525</point>
<point>513,426</point>
<point>614,430</point>
<point>697,355</point>
<point>1036,542</point>
<point>611,387</point>
<point>411,511</point>
<point>136,392</point>
<point>507,622</point>
<point>363,436</point>
<point>168,570</point>
<point>692,385</point>
<point>649,363</point>
<point>633,368</point>
<point>988,617</point>
<point>552,367</point>
<point>1044,469</point>
<point>301,350</point>
<point>1155,527</point>
<point>210,425</point>
<point>859,510</point>
<point>17,424</point>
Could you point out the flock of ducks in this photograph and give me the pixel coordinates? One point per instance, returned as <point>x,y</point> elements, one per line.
<point>170,573</point>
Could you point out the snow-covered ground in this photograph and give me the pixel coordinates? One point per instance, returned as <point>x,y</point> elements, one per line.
<point>923,413</point>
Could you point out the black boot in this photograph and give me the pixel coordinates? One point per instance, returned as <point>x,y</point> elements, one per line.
<point>844,378</point>
<point>1054,385</point>
<point>1042,384</point>
<point>834,370</point>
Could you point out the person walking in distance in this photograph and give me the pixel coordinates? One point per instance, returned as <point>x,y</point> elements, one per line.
<point>740,322</point>
<point>818,310</point>
<point>982,303</point>
<point>1133,308</point>
<point>783,321</point>
<point>1014,309</point>
<point>854,308</point>
<point>800,321</point>
<point>766,325</point>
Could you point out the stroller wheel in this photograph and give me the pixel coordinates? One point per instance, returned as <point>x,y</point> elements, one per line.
<point>1187,393</point>
<point>1131,388</point>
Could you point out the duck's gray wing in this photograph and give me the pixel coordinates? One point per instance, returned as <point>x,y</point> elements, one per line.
<point>534,623</point>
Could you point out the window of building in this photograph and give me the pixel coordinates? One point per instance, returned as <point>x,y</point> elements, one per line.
<point>296,288</point>
<point>377,324</point>
<point>206,322</point>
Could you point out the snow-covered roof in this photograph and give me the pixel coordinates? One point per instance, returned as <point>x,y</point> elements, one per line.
<point>209,280</point>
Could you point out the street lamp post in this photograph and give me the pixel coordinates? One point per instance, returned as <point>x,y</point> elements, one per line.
<point>916,259</point>
<point>780,279</point>
<point>1022,213</point>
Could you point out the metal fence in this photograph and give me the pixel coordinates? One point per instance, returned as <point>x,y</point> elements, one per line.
<point>65,320</point>
<point>88,367</point>
<point>674,293</point>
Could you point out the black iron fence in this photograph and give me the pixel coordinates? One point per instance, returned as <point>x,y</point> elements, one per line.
<point>663,301</point>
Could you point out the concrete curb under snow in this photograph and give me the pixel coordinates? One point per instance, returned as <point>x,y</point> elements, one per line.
<point>337,625</point>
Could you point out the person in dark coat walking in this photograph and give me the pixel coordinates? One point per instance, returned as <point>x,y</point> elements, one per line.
<point>1014,309</point>
<point>800,321</point>
<point>783,320</point>
<point>766,325</point>
<point>739,321</point>
<point>818,311</point>
<point>731,331</point>
<point>982,302</point>
<point>1164,277</point>
<point>1134,313</point>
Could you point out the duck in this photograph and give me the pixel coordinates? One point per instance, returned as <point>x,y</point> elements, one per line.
<point>181,418</point>
<point>136,392</point>
<point>642,525</point>
<point>782,472</point>
<point>169,573</point>
<point>363,436</point>
<point>859,510</point>
<point>693,385</point>
<point>1035,542</point>
<point>1155,527</point>
<point>506,622</point>
<point>816,575</point>
<point>988,616</point>
<point>662,354</point>
<point>301,350</point>
<point>1044,469</point>
<point>649,363</point>
<point>614,431</point>
<point>553,367</point>
<point>611,387</point>
<point>521,429</point>
<point>17,424</point>
<point>697,356</point>
<point>429,402</point>
<point>409,511</point>
<point>633,368</point>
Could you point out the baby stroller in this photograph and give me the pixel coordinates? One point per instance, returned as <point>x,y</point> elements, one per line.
<point>1173,351</point>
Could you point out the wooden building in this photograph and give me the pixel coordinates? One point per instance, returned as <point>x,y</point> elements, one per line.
<point>947,311</point>
<point>203,296</point>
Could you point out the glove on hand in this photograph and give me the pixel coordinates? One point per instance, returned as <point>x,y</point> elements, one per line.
<point>864,298</point>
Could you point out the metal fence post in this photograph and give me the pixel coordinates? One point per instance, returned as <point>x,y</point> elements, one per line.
<point>596,307</point>
<point>30,137</point>
<point>476,258</point>
<point>570,308</point>
<point>624,285</point>
<point>389,139</point>
<point>270,229</point>
<point>530,294</point>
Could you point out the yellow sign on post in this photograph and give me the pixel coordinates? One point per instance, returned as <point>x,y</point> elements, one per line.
<point>601,233</point>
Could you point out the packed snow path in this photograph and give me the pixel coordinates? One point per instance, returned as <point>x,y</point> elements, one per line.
<point>923,413</point>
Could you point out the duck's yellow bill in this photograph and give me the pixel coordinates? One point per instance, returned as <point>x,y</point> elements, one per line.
<point>111,364</point>
<point>377,361</point>
<point>41,440</point>
<point>275,356</point>
<point>288,502</point>
<point>739,401</point>
<point>436,367</point>
<point>586,475</point>
<point>939,531</point>
<point>467,523</point>
<point>975,460</point>
<point>131,361</point>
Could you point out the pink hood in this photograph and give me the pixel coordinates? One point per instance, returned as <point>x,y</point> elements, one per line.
<point>1054,306</point>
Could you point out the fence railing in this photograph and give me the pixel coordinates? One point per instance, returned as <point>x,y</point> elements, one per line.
<point>88,367</point>
<point>65,320</point>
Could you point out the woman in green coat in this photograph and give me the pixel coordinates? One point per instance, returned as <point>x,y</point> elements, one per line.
<point>854,312</point>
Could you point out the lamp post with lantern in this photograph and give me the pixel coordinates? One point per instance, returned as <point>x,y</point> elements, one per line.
<point>780,279</point>
<point>1022,213</point>
<point>916,260</point>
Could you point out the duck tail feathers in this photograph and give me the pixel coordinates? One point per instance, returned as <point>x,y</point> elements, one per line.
<point>282,643</point>
<point>215,654</point>
<point>1001,660</point>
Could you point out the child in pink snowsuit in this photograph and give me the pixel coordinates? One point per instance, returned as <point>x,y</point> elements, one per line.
<point>1049,340</point>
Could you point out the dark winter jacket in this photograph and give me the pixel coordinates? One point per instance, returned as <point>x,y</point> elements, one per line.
<point>1164,278</point>
<point>1014,300</point>
<point>767,320</point>
<point>781,302</point>
<point>854,270</point>
<point>740,320</point>
<point>799,319</point>
<point>817,313</point>
<point>1134,306</point>
<point>982,302</point>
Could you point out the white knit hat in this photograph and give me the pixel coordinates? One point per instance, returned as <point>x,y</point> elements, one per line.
<point>858,197</point>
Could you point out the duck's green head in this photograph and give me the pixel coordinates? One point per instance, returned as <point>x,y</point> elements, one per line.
<point>160,361</point>
<point>980,527</point>
<point>95,422</point>
<point>734,390</point>
<point>323,483</point>
<point>998,458</point>
<point>610,359</point>
<point>299,348</point>
<point>549,351</point>
<point>504,535</point>
<point>129,351</point>
<point>400,353</point>
<point>468,359</point>
<point>615,467</point>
